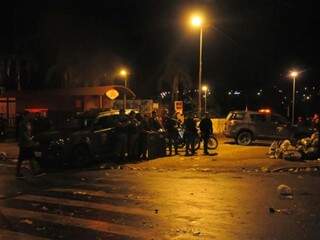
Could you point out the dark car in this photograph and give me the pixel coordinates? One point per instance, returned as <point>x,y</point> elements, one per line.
<point>84,138</point>
<point>247,126</point>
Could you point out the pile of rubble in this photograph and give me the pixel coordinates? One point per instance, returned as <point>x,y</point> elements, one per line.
<point>303,149</point>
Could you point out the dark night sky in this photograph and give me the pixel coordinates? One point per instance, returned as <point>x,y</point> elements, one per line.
<point>251,44</point>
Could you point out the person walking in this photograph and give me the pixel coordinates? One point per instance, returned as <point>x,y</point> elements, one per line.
<point>121,136</point>
<point>143,136</point>
<point>133,135</point>
<point>26,150</point>
<point>206,131</point>
<point>3,126</point>
<point>190,135</point>
<point>154,122</point>
<point>170,125</point>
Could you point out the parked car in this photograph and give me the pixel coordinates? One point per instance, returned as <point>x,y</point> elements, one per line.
<point>85,138</point>
<point>247,126</point>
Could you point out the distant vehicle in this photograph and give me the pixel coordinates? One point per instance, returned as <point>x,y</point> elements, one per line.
<point>247,126</point>
<point>85,138</point>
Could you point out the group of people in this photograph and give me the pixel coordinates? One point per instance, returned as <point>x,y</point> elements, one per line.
<point>132,133</point>
<point>313,121</point>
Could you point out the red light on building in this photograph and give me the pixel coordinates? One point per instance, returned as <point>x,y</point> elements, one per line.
<point>266,110</point>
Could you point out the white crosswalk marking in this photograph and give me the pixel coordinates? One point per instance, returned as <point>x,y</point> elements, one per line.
<point>9,235</point>
<point>78,191</point>
<point>114,221</point>
<point>79,222</point>
<point>76,203</point>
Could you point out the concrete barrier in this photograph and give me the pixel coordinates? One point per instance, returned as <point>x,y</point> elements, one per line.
<point>218,125</point>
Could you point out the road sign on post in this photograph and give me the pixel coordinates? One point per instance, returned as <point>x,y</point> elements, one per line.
<point>178,107</point>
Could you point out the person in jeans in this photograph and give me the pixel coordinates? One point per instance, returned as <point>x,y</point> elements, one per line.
<point>26,149</point>
<point>143,136</point>
<point>121,136</point>
<point>170,125</point>
<point>133,136</point>
<point>206,131</point>
<point>190,134</point>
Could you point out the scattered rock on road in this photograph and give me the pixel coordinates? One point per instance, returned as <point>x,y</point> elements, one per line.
<point>3,156</point>
<point>26,221</point>
<point>285,191</point>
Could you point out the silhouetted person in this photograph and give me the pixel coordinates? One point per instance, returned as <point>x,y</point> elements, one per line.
<point>143,136</point>
<point>26,149</point>
<point>3,126</point>
<point>154,122</point>
<point>170,125</point>
<point>190,134</point>
<point>133,134</point>
<point>121,135</point>
<point>206,131</point>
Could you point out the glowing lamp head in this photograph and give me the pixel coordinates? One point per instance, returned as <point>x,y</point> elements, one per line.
<point>196,21</point>
<point>123,73</point>
<point>294,74</point>
<point>204,88</point>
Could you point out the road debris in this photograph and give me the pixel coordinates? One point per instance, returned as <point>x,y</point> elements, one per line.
<point>44,208</point>
<point>79,193</point>
<point>196,233</point>
<point>285,191</point>
<point>284,211</point>
<point>3,156</point>
<point>26,221</point>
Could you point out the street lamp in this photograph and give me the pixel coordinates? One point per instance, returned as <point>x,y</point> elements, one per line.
<point>205,89</point>
<point>197,22</point>
<point>124,74</point>
<point>293,74</point>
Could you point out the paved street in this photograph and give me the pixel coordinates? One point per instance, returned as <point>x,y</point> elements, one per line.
<point>170,198</point>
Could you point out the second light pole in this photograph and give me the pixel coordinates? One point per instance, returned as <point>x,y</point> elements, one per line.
<point>205,89</point>
<point>293,74</point>
<point>124,74</point>
<point>197,21</point>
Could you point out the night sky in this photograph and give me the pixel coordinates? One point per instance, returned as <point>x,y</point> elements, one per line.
<point>249,44</point>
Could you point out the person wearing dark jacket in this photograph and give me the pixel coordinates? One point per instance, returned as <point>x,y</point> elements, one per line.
<point>206,130</point>
<point>170,125</point>
<point>143,136</point>
<point>154,122</point>
<point>26,149</point>
<point>190,134</point>
<point>133,134</point>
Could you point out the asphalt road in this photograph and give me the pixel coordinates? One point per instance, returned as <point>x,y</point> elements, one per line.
<point>138,201</point>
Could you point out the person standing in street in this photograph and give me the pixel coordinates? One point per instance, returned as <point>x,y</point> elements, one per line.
<point>143,136</point>
<point>190,135</point>
<point>3,126</point>
<point>206,131</point>
<point>133,136</point>
<point>26,150</point>
<point>170,125</point>
<point>121,136</point>
<point>154,122</point>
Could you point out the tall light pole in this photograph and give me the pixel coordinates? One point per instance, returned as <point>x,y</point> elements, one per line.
<point>124,74</point>
<point>205,89</point>
<point>293,74</point>
<point>197,22</point>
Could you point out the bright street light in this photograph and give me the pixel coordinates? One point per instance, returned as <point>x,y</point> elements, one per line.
<point>293,74</point>
<point>205,89</point>
<point>197,21</point>
<point>124,74</point>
